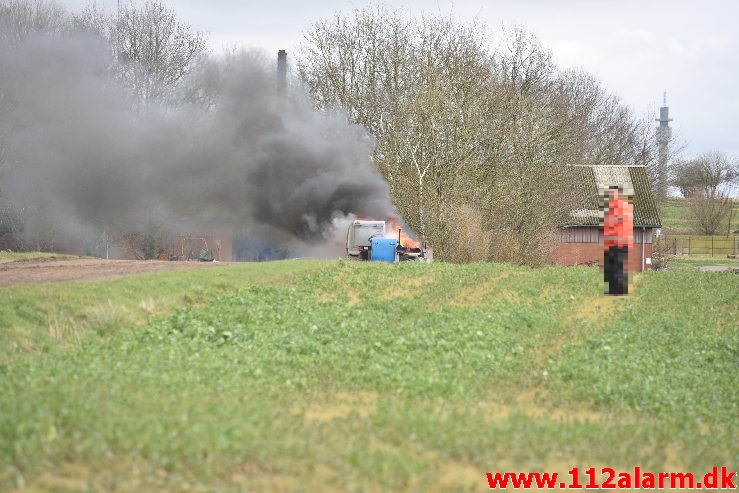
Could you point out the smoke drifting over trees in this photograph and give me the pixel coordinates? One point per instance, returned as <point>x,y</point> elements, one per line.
<point>125,124</point>
<point>76,151</point>
<point>472,130</point>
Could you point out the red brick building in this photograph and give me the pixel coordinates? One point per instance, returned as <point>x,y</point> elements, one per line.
<point>581,239</point>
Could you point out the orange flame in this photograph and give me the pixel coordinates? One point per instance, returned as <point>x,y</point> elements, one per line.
<point>393,226</point>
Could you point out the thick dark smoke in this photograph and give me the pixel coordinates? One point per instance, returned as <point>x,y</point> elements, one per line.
<point>80,154</point>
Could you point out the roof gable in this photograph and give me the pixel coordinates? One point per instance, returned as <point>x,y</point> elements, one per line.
<point>590,182</point>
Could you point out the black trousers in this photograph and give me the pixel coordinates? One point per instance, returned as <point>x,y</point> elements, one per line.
<point>616,270</point>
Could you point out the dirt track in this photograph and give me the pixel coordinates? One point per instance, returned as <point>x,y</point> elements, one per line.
<point>76,269</point>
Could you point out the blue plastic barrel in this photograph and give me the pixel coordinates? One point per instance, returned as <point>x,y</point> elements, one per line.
<point>383,249</point>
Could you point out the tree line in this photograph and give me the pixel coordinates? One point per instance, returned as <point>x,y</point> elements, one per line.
<point>472,129</point>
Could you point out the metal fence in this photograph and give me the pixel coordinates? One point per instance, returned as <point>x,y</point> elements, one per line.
<point>702,246</point>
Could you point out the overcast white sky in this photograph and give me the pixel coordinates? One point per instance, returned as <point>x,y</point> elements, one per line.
<point>638,48</point>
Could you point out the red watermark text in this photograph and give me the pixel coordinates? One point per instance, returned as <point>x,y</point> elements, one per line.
<point>608,478</point>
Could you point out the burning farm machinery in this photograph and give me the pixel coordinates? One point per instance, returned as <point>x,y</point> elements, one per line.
<point>371,240</point>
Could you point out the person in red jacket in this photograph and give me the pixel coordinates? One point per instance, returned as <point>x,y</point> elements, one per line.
<point>618,240</point>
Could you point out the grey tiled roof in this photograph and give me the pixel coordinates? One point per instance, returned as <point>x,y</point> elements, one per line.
<point>589,180</point>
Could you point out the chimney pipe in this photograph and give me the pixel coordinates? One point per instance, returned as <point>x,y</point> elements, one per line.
<point>281,72</point>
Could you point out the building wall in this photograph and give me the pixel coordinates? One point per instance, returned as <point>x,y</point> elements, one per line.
<point>571,253</point>
<point>583,252</point>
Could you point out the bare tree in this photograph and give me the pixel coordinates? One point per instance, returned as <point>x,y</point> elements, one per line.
<point>417,86</point>
<point>686,177</point>
<point>91,19</point>
<point>708,181</point>
<point>521,62</point>
<point>706,174</point>
<point>154,50</point>
<point>359,62</point>
<point>467,131</point>
<point>21,18</point>
<point>710,214</point>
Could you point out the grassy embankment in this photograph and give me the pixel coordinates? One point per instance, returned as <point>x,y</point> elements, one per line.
<point>37,317</point>
<point>362,377</point>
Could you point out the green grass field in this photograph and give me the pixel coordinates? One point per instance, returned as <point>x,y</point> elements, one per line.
<point>346,376</point>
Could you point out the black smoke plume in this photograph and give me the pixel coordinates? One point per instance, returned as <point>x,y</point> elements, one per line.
<point>79,152</point>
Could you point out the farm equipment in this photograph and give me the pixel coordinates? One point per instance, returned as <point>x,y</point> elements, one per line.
<point>372,240</point>
<point>191,245</point>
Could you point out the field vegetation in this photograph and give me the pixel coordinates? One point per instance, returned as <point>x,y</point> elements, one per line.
<point>36,317</point>
<point>345,376</point>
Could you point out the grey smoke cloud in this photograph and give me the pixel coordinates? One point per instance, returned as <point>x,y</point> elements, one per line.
<point>79,155</point>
